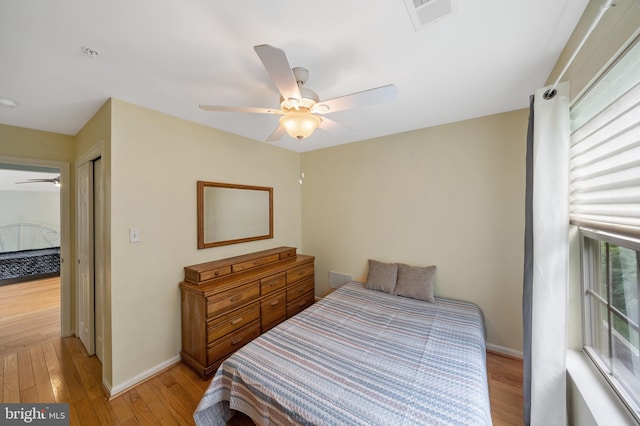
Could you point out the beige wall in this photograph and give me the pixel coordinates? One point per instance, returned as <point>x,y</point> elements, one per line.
<point>450,196</point>
<point>156,160</point>
<point>35,144</point>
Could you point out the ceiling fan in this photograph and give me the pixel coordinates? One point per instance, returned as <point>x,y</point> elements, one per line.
<point>55,181</point>
<point>300,108</point>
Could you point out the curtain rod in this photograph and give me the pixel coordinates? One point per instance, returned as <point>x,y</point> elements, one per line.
<point>606,4</point>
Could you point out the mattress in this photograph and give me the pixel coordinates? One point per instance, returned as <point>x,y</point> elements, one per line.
<point>359,357</point>
<point>27,263</point>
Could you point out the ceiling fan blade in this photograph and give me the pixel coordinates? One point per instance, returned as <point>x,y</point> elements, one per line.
<point>254,110</point>
<point>277,134</point>
<point>276,63</point>
<point>333,126</point>
<point>379,95</point>
<point>52,180</point>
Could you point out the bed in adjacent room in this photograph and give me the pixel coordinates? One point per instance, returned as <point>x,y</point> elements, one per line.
<point>359,357</point>
<point>28,251</point>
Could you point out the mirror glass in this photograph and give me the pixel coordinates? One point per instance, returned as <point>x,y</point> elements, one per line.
<point>230,214</point>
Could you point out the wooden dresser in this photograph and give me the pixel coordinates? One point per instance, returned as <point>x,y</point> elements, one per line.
<point>227,303</point>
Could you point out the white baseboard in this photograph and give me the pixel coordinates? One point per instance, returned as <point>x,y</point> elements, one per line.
<point>505,351</point>
<point>136,380</point>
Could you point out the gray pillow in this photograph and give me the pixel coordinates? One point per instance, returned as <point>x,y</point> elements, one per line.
<point>415,282</point>
<point>382,276</point>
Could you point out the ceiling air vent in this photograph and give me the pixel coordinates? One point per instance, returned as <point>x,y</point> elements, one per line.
<point>423,12</point>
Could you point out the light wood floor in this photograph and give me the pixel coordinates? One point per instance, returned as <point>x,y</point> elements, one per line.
<point>29,314</point>
<point>505,390</point>
<point>46,368</point>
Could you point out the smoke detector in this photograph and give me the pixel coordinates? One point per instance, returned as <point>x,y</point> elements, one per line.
<point>423,12</point>
<point>89,51</point>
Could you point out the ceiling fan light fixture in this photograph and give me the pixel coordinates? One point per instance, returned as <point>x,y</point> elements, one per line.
<point>300,125</point>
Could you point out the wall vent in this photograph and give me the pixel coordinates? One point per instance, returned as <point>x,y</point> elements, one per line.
<point>423,12</point>
<point>336,279</point>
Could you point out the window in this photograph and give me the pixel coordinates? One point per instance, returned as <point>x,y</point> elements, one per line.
<point>612,318</point>
<point>605,204</point>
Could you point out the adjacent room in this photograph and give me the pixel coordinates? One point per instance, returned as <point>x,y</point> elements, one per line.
<point>29,256</point>
<point>407,212</point>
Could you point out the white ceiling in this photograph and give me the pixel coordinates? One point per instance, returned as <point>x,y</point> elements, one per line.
<point>172,55</point>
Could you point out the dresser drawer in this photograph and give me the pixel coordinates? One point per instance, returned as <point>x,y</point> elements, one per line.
<point>215,273</point>
<point>198,273</point>
<point>296,274</point>
<point>300,288</point>
<point>255,262</point>
<point>288,254</point>
<point>232,342</point>
<point>242,294</point>
<point>274,310</point>
<point>273,283</point>
<point>232,321</point>
<point>300,304</point>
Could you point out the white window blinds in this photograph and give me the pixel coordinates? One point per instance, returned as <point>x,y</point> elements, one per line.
<point>605,151</point>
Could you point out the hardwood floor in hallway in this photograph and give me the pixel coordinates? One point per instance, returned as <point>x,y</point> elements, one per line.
<point>47,368</point>
<point>37,365</point>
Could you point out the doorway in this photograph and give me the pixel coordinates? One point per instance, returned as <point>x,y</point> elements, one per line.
<point>34,235</point>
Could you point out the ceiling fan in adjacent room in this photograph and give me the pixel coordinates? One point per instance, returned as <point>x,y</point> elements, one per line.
<point>55,181</point>
<point>300,108</point>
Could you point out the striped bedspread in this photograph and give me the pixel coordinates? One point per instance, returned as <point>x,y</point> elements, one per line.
<point>359,357</point>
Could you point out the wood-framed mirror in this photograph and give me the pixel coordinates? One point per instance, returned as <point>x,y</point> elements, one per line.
<point>231,214</point>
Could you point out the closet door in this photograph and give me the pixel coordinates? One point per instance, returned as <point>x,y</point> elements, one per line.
<point>84,247</point>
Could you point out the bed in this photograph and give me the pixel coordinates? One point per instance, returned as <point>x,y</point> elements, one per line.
<point>359,357</point>
<point>28,250</point>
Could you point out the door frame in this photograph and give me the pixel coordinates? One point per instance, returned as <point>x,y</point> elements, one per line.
<point>66,327</point>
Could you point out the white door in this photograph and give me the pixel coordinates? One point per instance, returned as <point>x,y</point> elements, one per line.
<point>98,235</point>
<point>84,247</point>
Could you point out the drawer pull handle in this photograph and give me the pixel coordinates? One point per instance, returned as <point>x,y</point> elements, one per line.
<point>236,298</point>
<point>216,274</point>
<point>236,340</point>
<point>300,273</point>
<point>236,321</point>
<point>304,302</point>
<point>272,283</point>
<point>274,302</point>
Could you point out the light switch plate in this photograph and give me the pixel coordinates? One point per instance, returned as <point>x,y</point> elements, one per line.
<point>134,235</point>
